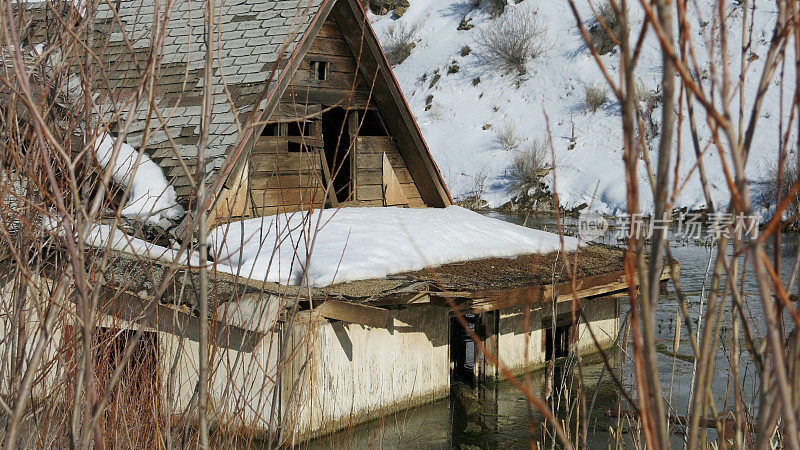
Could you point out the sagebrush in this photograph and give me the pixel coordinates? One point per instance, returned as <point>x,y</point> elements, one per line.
<point>399,40</point>
<point>513,40</point>
<point>527,169</point>
<point>602,41</point>
<point>596,95</point>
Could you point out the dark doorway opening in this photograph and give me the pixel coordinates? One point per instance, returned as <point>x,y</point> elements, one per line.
<point>336,140</point>
<point>462,350</point>
<point>556,342</point>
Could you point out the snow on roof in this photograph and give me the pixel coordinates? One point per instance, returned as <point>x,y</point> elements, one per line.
<point>151,196</point>
<point>100,234</point>
<point>333,246</point>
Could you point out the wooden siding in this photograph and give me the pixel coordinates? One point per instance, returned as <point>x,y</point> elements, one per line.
<point>281,180</point>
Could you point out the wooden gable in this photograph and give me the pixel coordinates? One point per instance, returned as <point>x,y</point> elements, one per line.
<point>326,128</point>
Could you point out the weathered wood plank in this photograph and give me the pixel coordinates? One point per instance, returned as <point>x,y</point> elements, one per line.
<point>280,144</point>
<point>368,177</point>
<point>369,161</point>
<point>369,193</point>
<point>376,144</point>
<point>330,97</point>
<point>287,196</point>
<point>485,301</point>
<point>261,180</point>
<point>285,162</point>
<point>354,313</point>
<point>329,46</point>
<point>393,194</point>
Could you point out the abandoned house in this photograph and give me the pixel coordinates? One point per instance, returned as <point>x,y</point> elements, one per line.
<point>308,119</point>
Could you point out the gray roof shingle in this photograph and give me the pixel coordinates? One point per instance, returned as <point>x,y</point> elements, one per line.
<point>248,42</point>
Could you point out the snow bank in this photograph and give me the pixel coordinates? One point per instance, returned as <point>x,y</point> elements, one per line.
<point>151,196</point>
<point>364,243</point>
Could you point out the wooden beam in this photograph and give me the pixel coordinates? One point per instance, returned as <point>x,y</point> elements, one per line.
<point>485,301</point>
<point>354,313</point>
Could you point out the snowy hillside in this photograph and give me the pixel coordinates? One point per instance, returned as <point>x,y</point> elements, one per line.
<point>454,120</point>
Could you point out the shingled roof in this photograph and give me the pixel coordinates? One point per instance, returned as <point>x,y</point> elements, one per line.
<point>251,36</point>
<point>256,43</point>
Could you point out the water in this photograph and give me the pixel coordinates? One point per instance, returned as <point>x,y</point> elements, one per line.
<point>505,409</point>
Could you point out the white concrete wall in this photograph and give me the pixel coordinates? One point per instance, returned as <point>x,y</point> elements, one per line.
<point>242,380</point>
<point>356,373</point>
<point>604,322</point>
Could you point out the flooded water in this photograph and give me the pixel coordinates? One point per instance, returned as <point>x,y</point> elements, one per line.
<point>509,423</point>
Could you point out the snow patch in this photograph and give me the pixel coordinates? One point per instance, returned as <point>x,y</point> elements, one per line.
<point>151,197</point>
<point>365,243</point>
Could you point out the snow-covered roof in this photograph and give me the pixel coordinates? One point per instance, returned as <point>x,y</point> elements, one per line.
<point>333,246</point>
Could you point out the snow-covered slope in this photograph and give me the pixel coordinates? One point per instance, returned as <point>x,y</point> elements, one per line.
<point>555,83</point>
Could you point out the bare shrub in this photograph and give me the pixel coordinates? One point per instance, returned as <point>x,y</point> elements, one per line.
<point>399,40</point>
<point>508,136</point>
<point>496,7</point>
<point>474,200</point>
<point>513,40</point>
<point>596,96</point>
<point>602,41</point>
<point>645,95</point>
<point>787,177</point>
<point>527,168</point>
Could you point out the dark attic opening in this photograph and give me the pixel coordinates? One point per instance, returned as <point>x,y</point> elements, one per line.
<point>371,124</point>
<point>337,151</point>
<point>298,133</point>
<point>319,70</point>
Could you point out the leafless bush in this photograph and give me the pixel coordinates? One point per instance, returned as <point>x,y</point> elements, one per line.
<point>399,39</point>
<point>513,40</point>
<point>644,95</point>
<point>600,37</point>
<point>527,169</point>
<point>508,136</point>
<point>474,200</point>
<point>781,182</point>
<point>596,95</point>
<point>496,7</point>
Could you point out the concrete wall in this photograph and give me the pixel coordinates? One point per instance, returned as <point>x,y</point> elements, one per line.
<point>355,373</point>
<point>336,373</point>
<point>604,322</point>
<point>242,380</point>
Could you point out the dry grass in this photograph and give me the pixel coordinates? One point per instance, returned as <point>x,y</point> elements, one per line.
<point>602,41</point>
<point>513,40</point>
<point>399,40</point>
<point>788,176</point>
<point>508,136</point>
<point>527,168</point>
<point>596,95</point>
